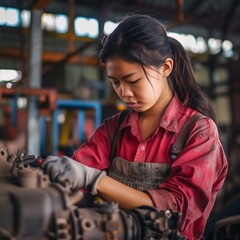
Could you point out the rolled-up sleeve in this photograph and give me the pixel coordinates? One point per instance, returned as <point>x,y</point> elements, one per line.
<point>95,153</point>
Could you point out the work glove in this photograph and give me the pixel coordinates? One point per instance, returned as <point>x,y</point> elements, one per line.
<point>64,169</point>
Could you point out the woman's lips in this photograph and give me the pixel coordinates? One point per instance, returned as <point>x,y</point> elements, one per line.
<point>133,105</point>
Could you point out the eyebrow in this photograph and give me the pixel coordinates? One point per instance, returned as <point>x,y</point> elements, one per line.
<point>123,77</point>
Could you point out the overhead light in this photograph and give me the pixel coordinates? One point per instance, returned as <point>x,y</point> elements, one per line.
<point>10,75</point>
<point>61,23</point>
<point>9,17</point>
<point>9,85</point>
<point>86,27</point>
<point>109,26</point>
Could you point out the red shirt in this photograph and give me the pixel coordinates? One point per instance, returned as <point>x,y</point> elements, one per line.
<point>196,174</point>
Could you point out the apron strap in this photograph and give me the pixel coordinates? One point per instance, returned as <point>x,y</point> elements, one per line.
<point>117,134</point>
<point>181,140</point>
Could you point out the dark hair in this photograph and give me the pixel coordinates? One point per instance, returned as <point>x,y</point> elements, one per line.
<point>143,39</point>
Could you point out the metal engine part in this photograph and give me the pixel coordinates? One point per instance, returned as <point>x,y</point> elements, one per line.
<point>34,208</point>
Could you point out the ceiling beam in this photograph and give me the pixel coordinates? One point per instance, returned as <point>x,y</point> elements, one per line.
<point>180,11</point>
<point>48,57</point>
<point>229,18</point>
<point>155,10</point>
<point>192,9</point>
<point>67,57</point>
<point>39,4</point>
<point>71,15</point>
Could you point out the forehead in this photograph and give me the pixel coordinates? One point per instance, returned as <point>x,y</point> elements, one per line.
<point>116,66</point>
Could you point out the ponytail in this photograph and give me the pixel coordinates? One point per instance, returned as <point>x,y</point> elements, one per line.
<point>184,84</point>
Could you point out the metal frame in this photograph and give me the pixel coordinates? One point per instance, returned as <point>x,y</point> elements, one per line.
<point>81,106</point>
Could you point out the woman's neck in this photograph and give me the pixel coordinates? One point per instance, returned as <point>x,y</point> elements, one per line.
<point>150,119</point>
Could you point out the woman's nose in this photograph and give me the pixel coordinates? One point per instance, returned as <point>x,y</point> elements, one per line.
<point>126,91</point>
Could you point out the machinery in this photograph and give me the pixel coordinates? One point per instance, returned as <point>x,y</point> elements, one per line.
<point>33,207</point>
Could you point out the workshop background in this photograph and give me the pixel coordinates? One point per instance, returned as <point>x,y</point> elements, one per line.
<point>54,93</point>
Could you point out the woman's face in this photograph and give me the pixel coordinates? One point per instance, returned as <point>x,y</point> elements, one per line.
<point>139,89</point>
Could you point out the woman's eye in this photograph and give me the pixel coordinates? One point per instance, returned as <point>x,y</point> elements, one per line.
<point>115,82</point>
<point>134,82</point>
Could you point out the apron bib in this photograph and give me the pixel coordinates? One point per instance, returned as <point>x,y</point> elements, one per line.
<point>139,175</point>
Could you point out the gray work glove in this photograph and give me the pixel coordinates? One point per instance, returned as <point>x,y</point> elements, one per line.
<point>64,169</point>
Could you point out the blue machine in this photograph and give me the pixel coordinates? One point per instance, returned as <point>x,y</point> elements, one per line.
<point>81,106</point>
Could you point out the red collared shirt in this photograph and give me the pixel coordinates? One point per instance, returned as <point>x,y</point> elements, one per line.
<point>196,175</point>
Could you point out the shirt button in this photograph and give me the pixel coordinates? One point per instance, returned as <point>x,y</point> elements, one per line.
<point>142,148</point>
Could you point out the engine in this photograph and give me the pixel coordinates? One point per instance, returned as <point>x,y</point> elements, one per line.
<point>34,208</point>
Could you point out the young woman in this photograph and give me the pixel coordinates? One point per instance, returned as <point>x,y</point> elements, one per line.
<point>152,74</point>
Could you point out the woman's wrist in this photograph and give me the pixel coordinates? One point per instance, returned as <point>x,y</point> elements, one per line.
<point>95,183</point>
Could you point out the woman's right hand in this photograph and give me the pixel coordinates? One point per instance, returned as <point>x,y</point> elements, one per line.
<point>64,169</point>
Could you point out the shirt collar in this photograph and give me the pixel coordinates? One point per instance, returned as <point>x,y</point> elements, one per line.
<point>172,114</point>
<point>169,119</point>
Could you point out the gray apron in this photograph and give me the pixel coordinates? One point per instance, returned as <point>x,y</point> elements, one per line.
<point>140,176</point>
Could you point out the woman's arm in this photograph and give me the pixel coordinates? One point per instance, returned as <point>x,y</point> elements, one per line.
<point>128,198</point>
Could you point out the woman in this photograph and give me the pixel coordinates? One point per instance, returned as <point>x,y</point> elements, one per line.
<point>152,74</point>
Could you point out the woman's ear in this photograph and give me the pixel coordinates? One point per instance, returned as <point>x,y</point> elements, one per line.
<point>168,67</point>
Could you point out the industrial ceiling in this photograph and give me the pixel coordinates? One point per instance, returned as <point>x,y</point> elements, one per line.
<point>207,18</point>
